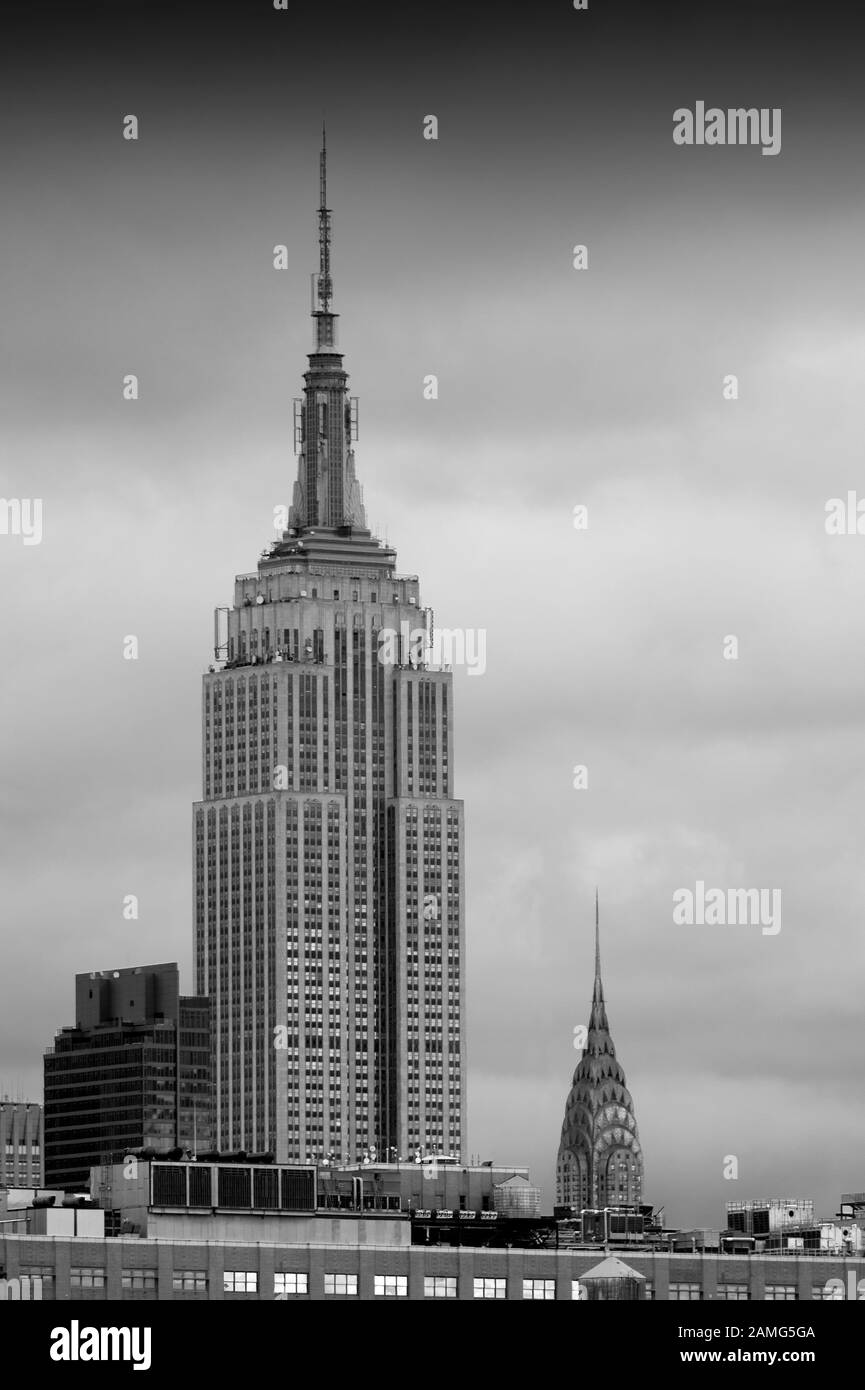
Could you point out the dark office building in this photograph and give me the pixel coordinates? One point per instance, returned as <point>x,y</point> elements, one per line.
<point>133,1073</point>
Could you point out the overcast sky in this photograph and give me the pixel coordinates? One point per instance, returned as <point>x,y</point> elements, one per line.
<point>556,387</point>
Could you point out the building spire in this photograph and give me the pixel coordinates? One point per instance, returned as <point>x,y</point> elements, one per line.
<point>327,493</point>
<point>325,284</point>
<point>597,938</point>
<point>600,1161</point>
<point>598,994</point>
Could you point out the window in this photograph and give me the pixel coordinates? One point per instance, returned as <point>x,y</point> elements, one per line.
<point>83,1278</point>
<point>829,1292</point>
<point>285,1285</point>
<point>391,1285</point>
<point>733,1292</point>
<point>189,1281</point>
<point>685,1293</point>
<point>341,1285</point>
<point>490,1288</point>
<point>138,1279</point>
<point>539,1288</point>
<point>650,1289</point>
<point>781,1293</point>
<point>239,1281</point>
<point>579,1290</point>
<point>43,1273</point>
<point>439,1286</point>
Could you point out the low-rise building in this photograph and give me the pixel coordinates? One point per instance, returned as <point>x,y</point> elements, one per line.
<point>83,1269</point>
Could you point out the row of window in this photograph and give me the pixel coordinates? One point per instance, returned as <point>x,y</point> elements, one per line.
<point>390,1285</point>
<point>774,1293</point>
<point>396,1285</point>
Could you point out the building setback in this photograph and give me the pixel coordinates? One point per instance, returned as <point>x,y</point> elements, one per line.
<point>21,1144</point>
<point>600,1161</point>
<point>328,846</point>
<point>133,1073</point>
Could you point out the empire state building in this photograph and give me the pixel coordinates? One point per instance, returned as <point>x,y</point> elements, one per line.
<point>328,846</point>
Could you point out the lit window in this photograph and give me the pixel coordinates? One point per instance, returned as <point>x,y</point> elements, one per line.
<point>490,1288</point>
<point>439,1286</point>
<point>391,1285</point>
<point>781,1293</point>
<point>539,1288</point>
<point>286,1285</point>
<point>239,1281</point>
<point>830,1292</point>
<point>341,1285</point>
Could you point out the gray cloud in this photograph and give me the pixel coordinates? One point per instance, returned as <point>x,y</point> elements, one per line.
<point>603,646</point>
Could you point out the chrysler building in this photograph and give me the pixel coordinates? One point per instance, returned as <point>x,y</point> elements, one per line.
<point>600,1161</point>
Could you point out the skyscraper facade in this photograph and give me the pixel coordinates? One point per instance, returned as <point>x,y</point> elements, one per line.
<point>329,925</point>
<point>600,1161</point>
<point>21,1143</point>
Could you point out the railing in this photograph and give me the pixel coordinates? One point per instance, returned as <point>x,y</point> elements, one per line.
<point>319,570</point>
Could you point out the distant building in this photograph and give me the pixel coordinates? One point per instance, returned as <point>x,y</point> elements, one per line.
<point>134,1072</point>
<point>600,1161</point>
<point>21,1144</point>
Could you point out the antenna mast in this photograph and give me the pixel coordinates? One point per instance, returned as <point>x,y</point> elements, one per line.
<point>325,287</point>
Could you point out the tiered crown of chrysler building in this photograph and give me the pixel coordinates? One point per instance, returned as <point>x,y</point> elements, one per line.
<point>600,1162</point>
